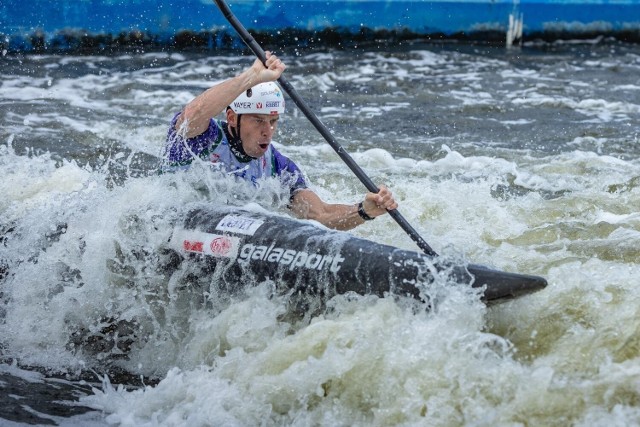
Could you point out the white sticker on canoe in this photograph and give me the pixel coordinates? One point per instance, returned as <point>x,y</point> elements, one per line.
<point>205,243</point>
<point>239,224</point>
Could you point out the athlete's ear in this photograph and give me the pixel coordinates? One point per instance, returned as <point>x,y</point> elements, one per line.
<point>232,117</point>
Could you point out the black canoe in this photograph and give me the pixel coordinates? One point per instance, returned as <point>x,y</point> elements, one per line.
<point>238,245</point>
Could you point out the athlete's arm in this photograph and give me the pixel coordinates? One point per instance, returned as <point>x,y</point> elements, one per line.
<point>308,205</point>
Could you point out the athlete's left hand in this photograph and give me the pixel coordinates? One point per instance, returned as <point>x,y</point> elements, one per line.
<point>376,204</point>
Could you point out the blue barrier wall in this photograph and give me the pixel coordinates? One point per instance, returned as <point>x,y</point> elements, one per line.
<point>162,20</point>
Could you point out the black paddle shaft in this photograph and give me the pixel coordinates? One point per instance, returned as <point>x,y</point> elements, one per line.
<point>302,105</point>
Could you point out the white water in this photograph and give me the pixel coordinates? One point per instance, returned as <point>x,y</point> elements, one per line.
<point>542,179</point>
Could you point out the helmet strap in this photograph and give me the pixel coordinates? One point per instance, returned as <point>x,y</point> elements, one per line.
<point>235,143</point>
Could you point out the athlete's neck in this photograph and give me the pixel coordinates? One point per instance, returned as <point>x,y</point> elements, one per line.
<point>235,143</point>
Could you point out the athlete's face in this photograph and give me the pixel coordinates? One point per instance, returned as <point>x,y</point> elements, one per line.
<point>256,131</point>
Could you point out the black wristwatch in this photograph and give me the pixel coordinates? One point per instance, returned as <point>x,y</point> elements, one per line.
<point>363,214</point>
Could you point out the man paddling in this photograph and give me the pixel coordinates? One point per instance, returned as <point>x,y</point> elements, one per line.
<point>241,145</point>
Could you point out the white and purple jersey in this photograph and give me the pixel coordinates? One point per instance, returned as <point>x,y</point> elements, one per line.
<point>213,146</point>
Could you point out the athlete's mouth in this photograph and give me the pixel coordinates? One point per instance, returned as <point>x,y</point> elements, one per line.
<point>264,146</point>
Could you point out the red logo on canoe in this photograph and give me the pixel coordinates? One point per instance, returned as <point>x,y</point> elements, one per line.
<point>221,246</point>
<point>190,246</point>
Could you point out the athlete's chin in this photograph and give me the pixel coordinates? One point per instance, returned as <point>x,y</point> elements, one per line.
<point>259,150</point>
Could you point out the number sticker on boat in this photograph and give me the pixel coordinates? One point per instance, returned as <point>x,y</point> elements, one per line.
<point>239,224</point>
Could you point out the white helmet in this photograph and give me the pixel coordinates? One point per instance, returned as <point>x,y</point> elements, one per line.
<point>263,98</point>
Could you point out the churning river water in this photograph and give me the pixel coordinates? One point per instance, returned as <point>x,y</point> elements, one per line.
<point>525,160</point>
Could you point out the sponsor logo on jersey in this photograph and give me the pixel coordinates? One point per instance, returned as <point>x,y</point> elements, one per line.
<point>239,224</point>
